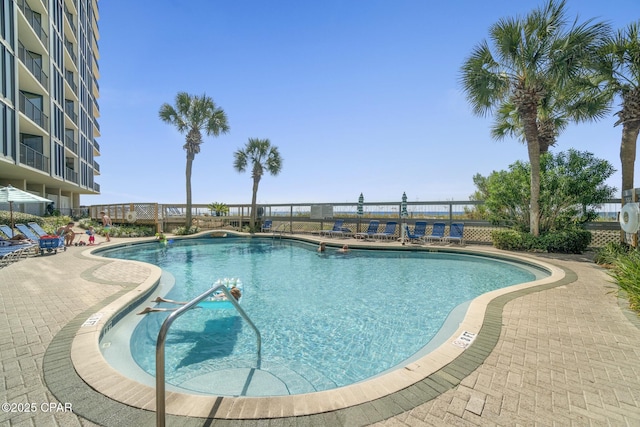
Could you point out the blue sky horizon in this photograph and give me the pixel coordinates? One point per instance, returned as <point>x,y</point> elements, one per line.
<point>359,97</point>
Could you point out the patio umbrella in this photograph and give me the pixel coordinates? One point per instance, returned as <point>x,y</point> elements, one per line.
<point>361,205</point>
<point>403,214</point>
<point>13,195</point>
<point>360,210</point>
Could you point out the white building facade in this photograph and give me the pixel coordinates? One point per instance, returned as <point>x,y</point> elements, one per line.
<point>49,99</point>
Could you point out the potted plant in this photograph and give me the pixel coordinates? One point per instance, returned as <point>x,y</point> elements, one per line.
<point>218,209</point>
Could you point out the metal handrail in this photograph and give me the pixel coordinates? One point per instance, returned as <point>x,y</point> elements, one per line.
<point>281,229</point>
<point>162,335</point>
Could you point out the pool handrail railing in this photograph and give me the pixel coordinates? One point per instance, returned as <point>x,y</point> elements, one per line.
<point>162,335</point>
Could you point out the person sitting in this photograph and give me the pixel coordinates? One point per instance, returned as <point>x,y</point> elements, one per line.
<point>68,233</point>
<point>19,239</point>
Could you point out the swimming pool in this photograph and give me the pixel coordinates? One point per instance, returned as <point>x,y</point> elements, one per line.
<point>327,320</point>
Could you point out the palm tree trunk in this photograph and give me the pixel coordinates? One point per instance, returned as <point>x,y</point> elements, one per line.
<point>630,132</point>
<point>533,147</point>
<point>188,176</point>
<point>254,197</point>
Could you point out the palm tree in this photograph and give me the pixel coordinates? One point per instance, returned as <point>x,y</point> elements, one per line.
<point>532,57</point>
<point>192,115</point>
<point>262,156</point>
<point>583,100</point>
<point>620,63</point>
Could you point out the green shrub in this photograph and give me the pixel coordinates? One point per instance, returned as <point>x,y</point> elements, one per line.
<point>573,241</point>
<point>126,231</point>
<point>182,231</point>
<point>19,218</point>
<point>50,223</point>
<point>607,254</point>
<point>626,272</point>
<point>512,240</point>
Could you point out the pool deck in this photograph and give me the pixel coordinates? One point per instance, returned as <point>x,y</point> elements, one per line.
<point>566,353</point>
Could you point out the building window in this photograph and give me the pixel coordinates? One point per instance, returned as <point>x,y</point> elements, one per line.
<point>32,141</point>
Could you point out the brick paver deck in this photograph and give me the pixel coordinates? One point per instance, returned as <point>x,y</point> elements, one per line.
<point>565,355</point>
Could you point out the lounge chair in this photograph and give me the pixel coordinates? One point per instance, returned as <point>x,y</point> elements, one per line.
<point>389,231</point>
<point>371,230</point>
<point>436,234</point>
<point>266,226</point>
<point>343,232</point>
<point>9,254</point>
<point>7,231</point>
<point>419,231</point>
<point>28,233</point>
<point>337,227</point>
<point>456,231</point>
<point>14,252</point>
<point>36,227</point>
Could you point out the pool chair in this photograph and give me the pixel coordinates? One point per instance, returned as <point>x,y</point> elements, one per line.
<point>12,253</point>
<point>371,230</point>
<point>28,233</point>
<point>36,227</point>
<point>419,231</point>
<point>337,227</point>
<point>7,231</point>
<point>389,231</point>
<point>456,231</point>
<point>437,234</point>
<point>9,254</point>
<point>266,226</point>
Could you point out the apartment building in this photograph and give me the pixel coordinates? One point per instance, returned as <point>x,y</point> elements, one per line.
<point>49,99</point>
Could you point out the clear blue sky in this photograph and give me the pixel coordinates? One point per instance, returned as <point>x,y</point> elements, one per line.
<point>358,95</point>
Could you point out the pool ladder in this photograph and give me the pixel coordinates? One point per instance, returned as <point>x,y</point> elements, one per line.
<point>162,335</point>
<point>281,229</point>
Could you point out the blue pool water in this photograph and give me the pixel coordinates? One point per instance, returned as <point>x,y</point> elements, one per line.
<point>326,319</point>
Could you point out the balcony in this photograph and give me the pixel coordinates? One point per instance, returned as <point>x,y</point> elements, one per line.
<point>96,146</point>
<point>70,19</point>
<point>96,109</point>
<point>30,110</point>
<point>96,187</point>
<point>69,109</point>
<point>32,63</point>
<point>96,166</point>
<point>70,175</point>
<point>30,157</point>
<point>33,19</point>
<point>70,143</point>
<point>68,77</point>
<point>96,85</point>
<point>69,47</point>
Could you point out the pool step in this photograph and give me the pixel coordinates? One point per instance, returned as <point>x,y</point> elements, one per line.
<point>273,379</point>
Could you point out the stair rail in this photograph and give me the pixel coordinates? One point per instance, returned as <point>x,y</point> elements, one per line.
<point>162,335</point>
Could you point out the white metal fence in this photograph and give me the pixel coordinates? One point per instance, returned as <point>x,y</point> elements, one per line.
<point>299,217</point>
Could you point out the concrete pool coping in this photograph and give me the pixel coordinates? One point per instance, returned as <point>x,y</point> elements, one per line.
<point>385,396</point>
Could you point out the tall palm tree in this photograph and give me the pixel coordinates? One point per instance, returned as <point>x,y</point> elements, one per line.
<point>262,156</point>
<point>192,115</point>
<point>531,57</point>
<point>620,63</point>
<point>583,100</point>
